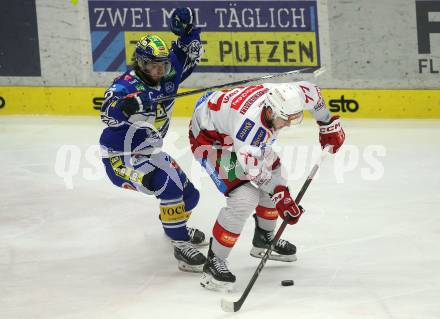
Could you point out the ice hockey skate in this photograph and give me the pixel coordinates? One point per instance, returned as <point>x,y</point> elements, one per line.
<point>283,251</point>
<point>189,258</point>
<point>216,275</point>
<point>197,237</point>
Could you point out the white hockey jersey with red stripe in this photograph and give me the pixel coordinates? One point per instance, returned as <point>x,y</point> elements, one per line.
<point>235,116</point>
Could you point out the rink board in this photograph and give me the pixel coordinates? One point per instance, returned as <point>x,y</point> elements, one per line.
<point>349,103</point>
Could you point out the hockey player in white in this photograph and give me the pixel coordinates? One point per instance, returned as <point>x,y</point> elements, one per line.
<point>231,134</point>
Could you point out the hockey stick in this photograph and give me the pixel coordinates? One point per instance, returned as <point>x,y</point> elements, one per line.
<point>234,306</point>
<point>220,86</point>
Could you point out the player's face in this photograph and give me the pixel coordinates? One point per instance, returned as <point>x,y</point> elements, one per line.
<point>155,70</point>
<point>294,119</point>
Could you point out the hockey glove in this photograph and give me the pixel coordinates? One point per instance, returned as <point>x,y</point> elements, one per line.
<point>134,103</point>
<point>331,133</point>
<point>258,162</point>
<point>286,206</point>
<point>181,21</point>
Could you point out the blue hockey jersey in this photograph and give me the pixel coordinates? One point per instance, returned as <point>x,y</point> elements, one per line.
<point>143,132</point>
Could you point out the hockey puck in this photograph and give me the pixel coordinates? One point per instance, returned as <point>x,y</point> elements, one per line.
<point>287,283</point>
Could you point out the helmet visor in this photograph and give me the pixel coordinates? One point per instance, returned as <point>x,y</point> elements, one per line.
<point>155,67</point>
<point>296,118</point>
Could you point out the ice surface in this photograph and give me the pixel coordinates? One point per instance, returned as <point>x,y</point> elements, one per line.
<point>368,245</point>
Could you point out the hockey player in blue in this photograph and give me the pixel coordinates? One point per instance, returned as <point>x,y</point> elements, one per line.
<point>131,142</point>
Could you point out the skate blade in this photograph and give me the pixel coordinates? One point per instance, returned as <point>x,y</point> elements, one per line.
<point>208,282</point>
<point>183,266</point>
<point>259,253</point>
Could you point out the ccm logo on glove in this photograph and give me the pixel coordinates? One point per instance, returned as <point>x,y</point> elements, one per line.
<point>332,134</point>
<point>330,128</point>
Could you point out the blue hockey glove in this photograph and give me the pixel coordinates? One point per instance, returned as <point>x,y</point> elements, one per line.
<point>181,22</point>
<point>134,103</point>
<point>194,34</point>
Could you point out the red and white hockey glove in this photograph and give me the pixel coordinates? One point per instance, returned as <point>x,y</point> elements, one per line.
<point>258,162</point>
<point>286,206</point>
<point>331,133</point>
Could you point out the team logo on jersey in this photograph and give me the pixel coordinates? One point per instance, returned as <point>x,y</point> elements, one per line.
<point>245,129</point>
<point>194,49</point>
<point>259,137</point>
<point>169,87</point>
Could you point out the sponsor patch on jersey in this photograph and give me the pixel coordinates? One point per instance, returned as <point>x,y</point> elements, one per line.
<point>259,137</point>
<point>161,117</point>
<point>230,94</point>
<point>231,167</point>
<point>320,105</point>
<point>117,88</point>
<point>252,100</point>
<point>239,99</point>
<point>318,90</point>
<point>221,186</point>
<point>169,87</point>
<point>245,129</point>
<point>225,237</point>
<point>127,173</point>
<point>203,98</point>
<point>173,213</point>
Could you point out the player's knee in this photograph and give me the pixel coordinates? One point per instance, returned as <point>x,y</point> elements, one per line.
<point>163,185</point>
<point>148,181</point>
<point>191,196</point>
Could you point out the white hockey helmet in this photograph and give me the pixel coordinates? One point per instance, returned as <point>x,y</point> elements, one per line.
<point>285,101</point>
